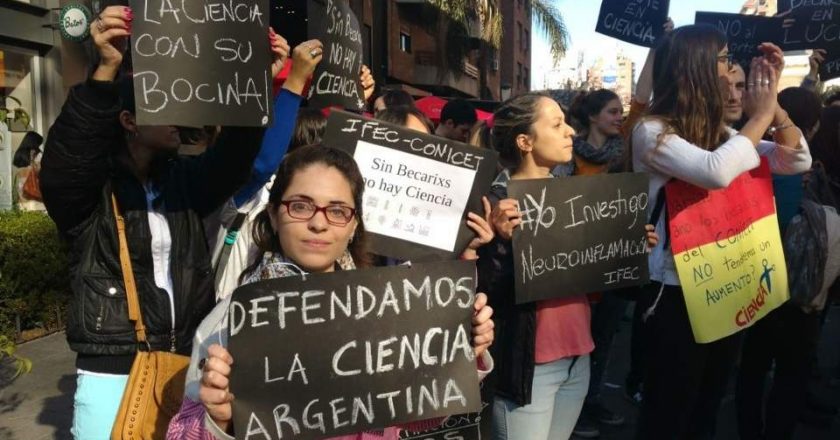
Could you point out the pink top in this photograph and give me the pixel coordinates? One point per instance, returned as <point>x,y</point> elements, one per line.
<point>563,329</point>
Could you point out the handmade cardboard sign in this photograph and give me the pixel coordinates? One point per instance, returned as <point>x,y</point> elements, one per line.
<point>744,33</point>
<point>579,235</point>
<point>728,253</point>
<point>337,80</point>
<point>418,187</point>
<point>816,25</point>
<point>201,62</point>
<point>634,21</point>
<point>830,68</point>
<point>329,354</point>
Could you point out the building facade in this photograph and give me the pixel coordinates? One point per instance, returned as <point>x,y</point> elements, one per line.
<point>516,46</point>
<point>31,77</point>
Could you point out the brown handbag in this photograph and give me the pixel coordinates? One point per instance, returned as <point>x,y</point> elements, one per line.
<point>32,185</point>
<point>155,387</point>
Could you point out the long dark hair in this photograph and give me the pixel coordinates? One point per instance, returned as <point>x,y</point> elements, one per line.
<point>266,238</point>
<point>588,104</point>
<point>516,116</point>
<point>686,94</point>
<point>309,128</point>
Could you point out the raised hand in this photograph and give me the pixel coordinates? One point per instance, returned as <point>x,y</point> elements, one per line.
<point>110,31</point>
<point>280,49</point>
<point>305,58</point>
<point>368,83</point>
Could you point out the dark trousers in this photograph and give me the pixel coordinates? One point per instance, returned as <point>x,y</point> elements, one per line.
<point>684,381</point>
<point>787,336</point>
<point>639,338</point>
<point>606,317</point>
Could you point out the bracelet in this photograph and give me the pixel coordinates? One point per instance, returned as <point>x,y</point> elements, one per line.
<point>772,131</point>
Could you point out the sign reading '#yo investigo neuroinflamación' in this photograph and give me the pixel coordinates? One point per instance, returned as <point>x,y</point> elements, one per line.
<point>728,253</point>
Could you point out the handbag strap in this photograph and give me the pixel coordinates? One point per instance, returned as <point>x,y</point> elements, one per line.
<point>128,277</point>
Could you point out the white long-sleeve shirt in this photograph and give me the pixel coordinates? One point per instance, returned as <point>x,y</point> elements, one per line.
<point>669,156</point>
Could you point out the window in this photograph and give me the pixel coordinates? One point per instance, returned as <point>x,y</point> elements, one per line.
<point>405,42</point>
<point>527,78</point>
<point>526,42</point>
<point>519,73</point>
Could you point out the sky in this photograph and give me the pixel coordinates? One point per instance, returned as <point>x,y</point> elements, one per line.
<point>581,16</point>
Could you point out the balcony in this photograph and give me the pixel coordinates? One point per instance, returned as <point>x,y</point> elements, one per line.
<point>426,75</point>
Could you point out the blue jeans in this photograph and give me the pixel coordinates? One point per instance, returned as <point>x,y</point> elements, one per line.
<point>557,395</point>
<point>95,405</point>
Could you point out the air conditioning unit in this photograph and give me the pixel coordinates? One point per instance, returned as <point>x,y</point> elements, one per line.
<point>496,65</point>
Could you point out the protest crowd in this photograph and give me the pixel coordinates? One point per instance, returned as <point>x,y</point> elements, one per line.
<point>337,264</point>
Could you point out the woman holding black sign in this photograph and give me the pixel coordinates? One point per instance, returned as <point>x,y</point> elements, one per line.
<point>685,137</point>
<point>96,151</point>
<point>312,224</point>
<point>543,350</point>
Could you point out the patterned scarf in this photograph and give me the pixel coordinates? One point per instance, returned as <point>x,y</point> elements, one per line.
<point>611,151</point>
<point>275,265</point>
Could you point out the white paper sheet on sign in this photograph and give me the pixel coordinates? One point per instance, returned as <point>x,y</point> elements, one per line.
<point>399,206</point>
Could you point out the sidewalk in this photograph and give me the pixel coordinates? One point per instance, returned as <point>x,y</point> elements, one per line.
<point>39,405</point>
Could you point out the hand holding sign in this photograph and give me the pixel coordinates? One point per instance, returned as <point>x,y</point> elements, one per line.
<point>815,61</point>
<point>368,83</point>
<point>110,31</point>
<point>215,392</point>
<point>280,48</point>
<point>303,65</point>
<point>506,217</point>
<point>483,228</point>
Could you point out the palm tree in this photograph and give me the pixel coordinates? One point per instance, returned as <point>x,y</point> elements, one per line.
<point>545,14</point>
<point>465,14</point>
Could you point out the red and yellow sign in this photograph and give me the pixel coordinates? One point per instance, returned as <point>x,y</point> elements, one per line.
<point>728,253</point>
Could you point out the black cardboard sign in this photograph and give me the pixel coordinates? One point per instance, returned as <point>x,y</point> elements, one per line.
<point>816,25</point>
<point>579,235</point>
<point>634,21</point>
<point>336,81</point>
<point>340,353</point>
<point>830,68</point>
<point>201,62</point>
<point>744,33</point>
<point>418,187</point>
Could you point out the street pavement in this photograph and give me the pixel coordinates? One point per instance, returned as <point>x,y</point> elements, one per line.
<point>39,405</point>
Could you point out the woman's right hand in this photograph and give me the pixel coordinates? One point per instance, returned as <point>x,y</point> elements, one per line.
<point>110,31</point>
<point>761,94</point>
<point>505,218</point>
<point>214,391</point>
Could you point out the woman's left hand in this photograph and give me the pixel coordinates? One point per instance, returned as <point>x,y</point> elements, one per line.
<point>652,236</point>
<point>482,228</point>
<point>482,325</point>
<point>368,83</point>
<point>279,49</point>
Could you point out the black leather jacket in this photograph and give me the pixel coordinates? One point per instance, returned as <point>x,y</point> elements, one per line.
<point>79,173</point>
